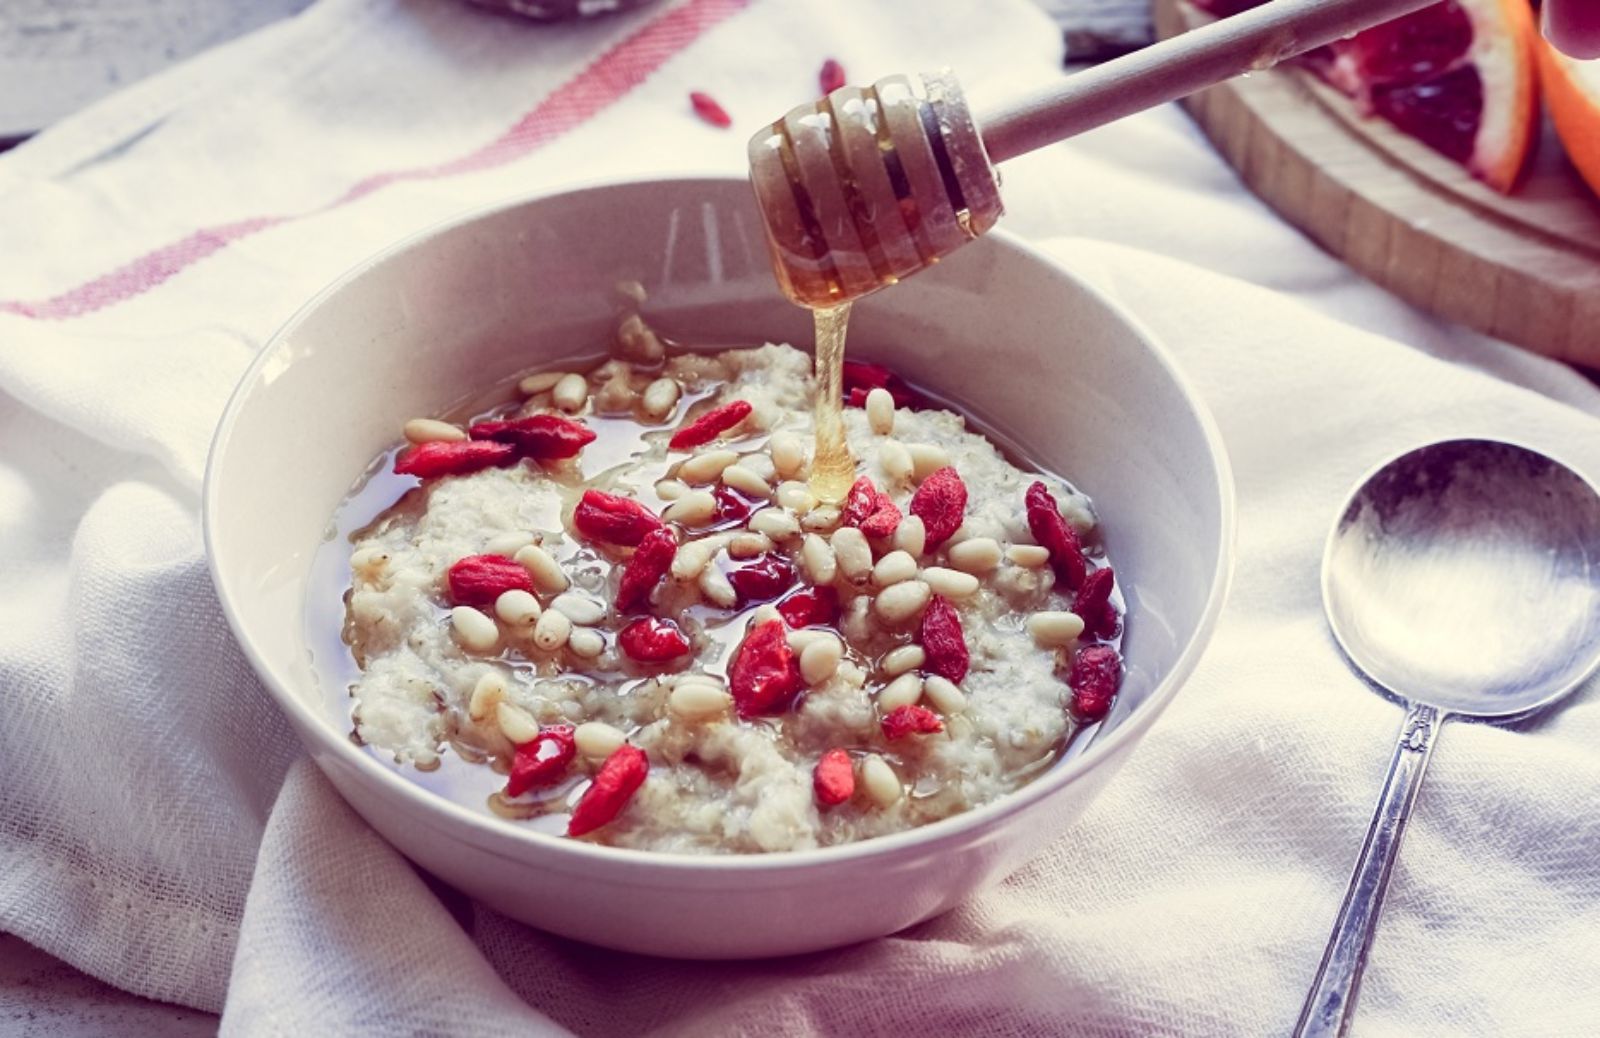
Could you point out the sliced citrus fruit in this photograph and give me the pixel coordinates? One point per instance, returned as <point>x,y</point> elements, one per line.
<point>1572,94</point>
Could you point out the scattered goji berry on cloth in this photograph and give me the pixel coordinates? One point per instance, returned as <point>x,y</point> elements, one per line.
<point>542,437</point>
<point>1096,672</point>
<point>613,519</point>
<point>761,579</point>
<point>831,77</point>
<point>710,425</point>
<point>478,580</point>
<point>707,108</point>
<point>453,458</point>
<point>764,675</point>
<point>1055,536</point>
<point>910,720</point>
<point>941,503</point>
<point>614,785</point>
<point>1093,603</point>
<point>944,645</point>
<point>653,640</point>
<point>541,761</point>
<point>834,779</point>
<point>813,607</point>
<point>649,564</point>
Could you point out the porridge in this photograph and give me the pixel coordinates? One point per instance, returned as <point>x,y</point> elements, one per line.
<point>617,603</point>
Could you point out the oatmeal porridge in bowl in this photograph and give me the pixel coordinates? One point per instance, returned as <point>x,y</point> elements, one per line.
<point>663,697</point>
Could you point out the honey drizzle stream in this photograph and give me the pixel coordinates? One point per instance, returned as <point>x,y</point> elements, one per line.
<point>832,467</point>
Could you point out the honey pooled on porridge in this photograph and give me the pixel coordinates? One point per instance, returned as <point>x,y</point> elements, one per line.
<point>619,600</point>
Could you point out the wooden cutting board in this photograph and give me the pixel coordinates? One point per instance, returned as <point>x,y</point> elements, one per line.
<point>1524,268</point>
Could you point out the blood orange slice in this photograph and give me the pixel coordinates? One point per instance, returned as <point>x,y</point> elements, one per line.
<point>1572,93</point>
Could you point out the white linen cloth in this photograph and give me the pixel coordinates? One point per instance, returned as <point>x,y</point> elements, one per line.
<point>159,829</point>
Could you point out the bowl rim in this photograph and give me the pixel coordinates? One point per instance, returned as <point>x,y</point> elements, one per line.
<point>498,836</point>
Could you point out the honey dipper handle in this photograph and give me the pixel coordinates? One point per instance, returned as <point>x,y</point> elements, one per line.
<point>1255,39</point>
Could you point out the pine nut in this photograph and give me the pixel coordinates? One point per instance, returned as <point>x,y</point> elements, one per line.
<point>926,458</point>
<point>715,586</point>
<point>586,642</point>
<point>746,482</point>
<point>660,397</point>
<point>944,695</point>
<point>696,508</point>
<point>1055,628</point>
<point>824,518</point>
<point>749,545</point>
<point>693,557</point>
<point>671,489</point>
<point>369,562</point>
<point>979,555</point>
<point>540,383</point>
<point>486,695</point>
<point>882,785</point>
<point>902,602</point>
<point>515,723</point>
<point>474,630</point>
<point>598,740</point>
<point>762,466</point>
<point>579,609</point>
<point>895,461</point>
<point>951,583</point>
<point>911,536</point>
<point>508,544</point>
<point>517,608</point>
<point>571,393</point>
<point>788,454</point>
<point>818,559</point>
<point>1032,556</point>
<point>796,497</point>
<point>765,613</point>
<point>774,523</point>
<point>798,640</point>
<point>706,466</point>
<point>698,700</point>
<point>893,568</point>
<point>820,659</point>
<point>431,430</point>
<point>907,657</point>
<point>552,630</point>
<point>880,411</point>
<point>850,547</point>
<point>904,690</point>
<point>545,570</point>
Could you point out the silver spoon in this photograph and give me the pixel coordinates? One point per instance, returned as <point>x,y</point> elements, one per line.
<point>1463,579</point>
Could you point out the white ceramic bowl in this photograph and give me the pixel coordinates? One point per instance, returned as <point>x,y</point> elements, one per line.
<point>1031,351</point>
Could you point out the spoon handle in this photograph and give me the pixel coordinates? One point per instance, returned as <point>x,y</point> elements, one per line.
<point>1331,1003</point>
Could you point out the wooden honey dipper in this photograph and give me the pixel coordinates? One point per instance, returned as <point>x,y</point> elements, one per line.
<point>871,184</point>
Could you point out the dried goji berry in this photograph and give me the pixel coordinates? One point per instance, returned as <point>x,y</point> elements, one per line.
<point>542,760</point>
<point>706,107</point>
<point>1096,672</point>
<point>731,506</point>
<point>818,606</point>
<point>649,564</point>
<point>710,425</point>
<point>860,378</point>
<point>764,675</point>
<point>1093,603</point>
<point>616,520</point>
<point>831,77</point>
<point>453,458</point>
<point>542,437</point>
<point>614,785</point>
<point>910,720</point>
<point>856,396</point>
<point>860,502</point>
<point>652,640</point>
<point>884,520</point>
<point>941,503</point>
<point>834,779</point>
<point>944,646</point>
<point>761,579</point>
<point>1055,536</point>
<point>478,580</point>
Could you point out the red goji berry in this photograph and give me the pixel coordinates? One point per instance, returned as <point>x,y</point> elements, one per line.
<point>764,675</point>
<point>731,507</point>
<point>910,720</point>
<point>818,606</point>
<point>941,503</point>
<point>614,785</point>
<point>614,519</point>
<point>1055,536</point>
<point>478,580</point>
<point>707,108</point>
<point>1093,603</point>
<point>710,425</point>
<point>831,77</point>
<point>542,760</point>
<point>453,458</point>
<point>761,579</point>
<point>860,502</point>
<point>884,520</point>
<point>652,640</point>
<point>860,378</point>
<point>944,645</point>
<point>856,396</point>
<point>542,437</point>
<point>649,564</point>
<point>1096,671</point>
<point>834,779</point>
